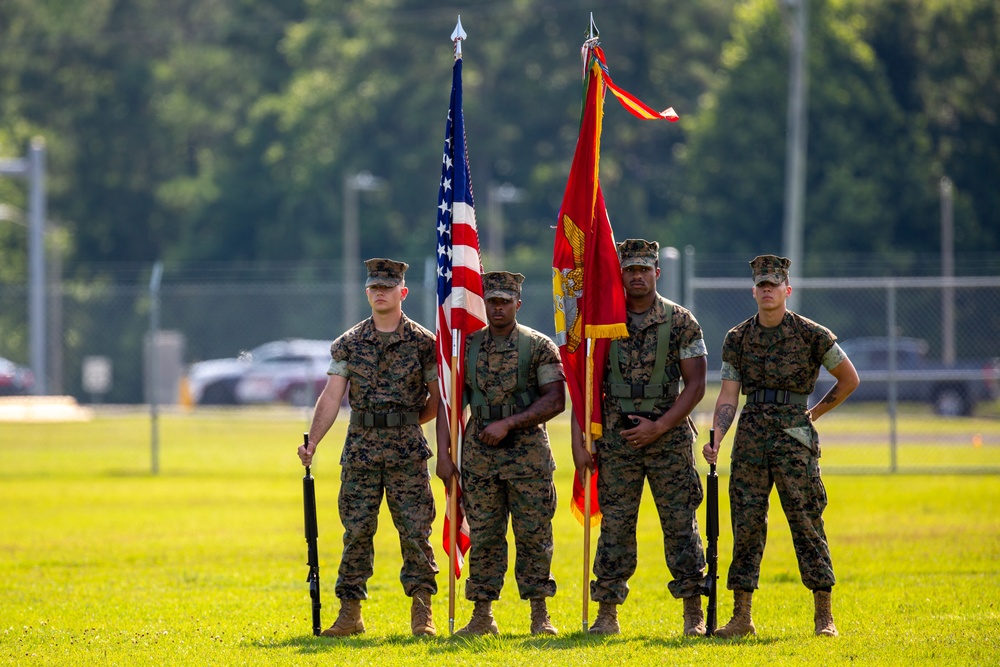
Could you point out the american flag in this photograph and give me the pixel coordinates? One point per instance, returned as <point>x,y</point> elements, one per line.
<point>461,309</point>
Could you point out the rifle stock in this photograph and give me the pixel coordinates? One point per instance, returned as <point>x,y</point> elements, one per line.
<point>712,550</point>
<point>312,538</point>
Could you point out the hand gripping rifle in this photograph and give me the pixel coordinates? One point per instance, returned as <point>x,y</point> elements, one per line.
<point>712,550</point>
<point>312,535</point>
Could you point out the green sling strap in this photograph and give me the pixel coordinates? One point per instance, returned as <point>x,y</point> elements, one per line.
<point>522,396</point>
<point>624,392</point>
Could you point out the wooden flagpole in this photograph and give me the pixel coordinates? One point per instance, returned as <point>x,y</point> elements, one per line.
<point>456,415</point>
<point>589,443</point>
<point>457,35</point>
<point>588,436</point>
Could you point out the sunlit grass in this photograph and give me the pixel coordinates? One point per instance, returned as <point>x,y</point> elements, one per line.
<point>204,563</point>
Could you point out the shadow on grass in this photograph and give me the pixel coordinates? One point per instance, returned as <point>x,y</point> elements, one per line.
<point>308,644</point>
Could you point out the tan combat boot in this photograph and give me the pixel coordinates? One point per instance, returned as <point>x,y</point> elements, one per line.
<point>606,622</point>
<point>482,621</point>
<point>824,615</point>
<point>349,622</point>
<point>694,618</point>
<point>541,624</point>
<point>741,624</point>
<point>421,617</point>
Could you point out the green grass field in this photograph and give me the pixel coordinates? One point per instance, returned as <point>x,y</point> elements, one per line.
<point>204,564</point>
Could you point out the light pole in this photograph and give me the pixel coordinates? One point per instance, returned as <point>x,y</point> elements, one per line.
<point>947,271</point>
<point>353,183</point>
<point>33,169</point>
<point>795,145</point>
<point>497,196</point>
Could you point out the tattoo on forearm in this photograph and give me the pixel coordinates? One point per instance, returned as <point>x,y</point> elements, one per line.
<point>724,418</point>
<point>831,396</point>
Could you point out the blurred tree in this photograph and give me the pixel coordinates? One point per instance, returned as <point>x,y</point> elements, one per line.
<point>223,129</point>
<point>869,185</point>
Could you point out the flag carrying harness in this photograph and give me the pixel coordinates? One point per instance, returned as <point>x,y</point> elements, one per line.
<point>523,397</point>
<point>670,386</point>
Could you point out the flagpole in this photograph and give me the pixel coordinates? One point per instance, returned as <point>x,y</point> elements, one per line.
<point>456,415</point>
<point>588,436</point>
<point>457,35</point>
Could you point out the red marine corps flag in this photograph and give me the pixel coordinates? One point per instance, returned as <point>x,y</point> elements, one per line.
<point>587,291</point>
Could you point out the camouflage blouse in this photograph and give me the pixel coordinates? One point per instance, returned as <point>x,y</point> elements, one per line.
<point>784,357</point>
<point>390,376</point>
<point>528,455</point>
<point>637,355</point>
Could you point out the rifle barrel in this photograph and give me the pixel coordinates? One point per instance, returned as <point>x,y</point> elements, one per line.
<point>712,548</point>
<point>312,542</point>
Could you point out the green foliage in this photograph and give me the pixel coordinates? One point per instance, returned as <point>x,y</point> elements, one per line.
<point>205,563</point>
<point>223,130</point>
<point>868,185</point>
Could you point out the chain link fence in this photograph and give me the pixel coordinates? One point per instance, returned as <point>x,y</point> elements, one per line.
<point>222,312</point>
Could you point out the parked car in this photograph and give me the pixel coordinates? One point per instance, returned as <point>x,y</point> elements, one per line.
<point>952,390</point>
<point>295,377</point>
<point>215,381</point>
<point>15,380</point>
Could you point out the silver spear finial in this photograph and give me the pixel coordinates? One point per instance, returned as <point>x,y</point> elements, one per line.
<point>457,36</point>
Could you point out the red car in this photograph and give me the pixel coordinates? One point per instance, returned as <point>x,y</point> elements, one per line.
<point>15,380</point>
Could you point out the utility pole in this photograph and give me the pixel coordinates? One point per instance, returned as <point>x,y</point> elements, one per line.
<point>497,196</point>
<point>32,168</point>
<point>351,247</point>
<point>947,272</point>
<point>795,146</point>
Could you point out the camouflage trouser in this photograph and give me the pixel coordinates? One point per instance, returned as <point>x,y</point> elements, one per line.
<point>407,491</point>
<point>677,491</point>
<point>765,456</point>
<point>531,504</point>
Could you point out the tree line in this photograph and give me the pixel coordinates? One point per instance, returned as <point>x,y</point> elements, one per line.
<point>222,131</point>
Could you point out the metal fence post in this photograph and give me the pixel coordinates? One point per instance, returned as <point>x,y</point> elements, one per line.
<point>670,273</point>
<point>689,277</point>
<point>154,379</point>
<point>890,308</point>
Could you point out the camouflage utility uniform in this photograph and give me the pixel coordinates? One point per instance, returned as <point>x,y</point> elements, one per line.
<point>514,478</point>
<point>776,443</point>
<point>668,463</point>
<point>388,374</point>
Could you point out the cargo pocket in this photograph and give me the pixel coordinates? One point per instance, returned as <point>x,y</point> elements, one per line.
<point>807,435</point>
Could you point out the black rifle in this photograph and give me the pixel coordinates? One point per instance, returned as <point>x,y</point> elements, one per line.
<point>312,536</point>
<point>712,550</point>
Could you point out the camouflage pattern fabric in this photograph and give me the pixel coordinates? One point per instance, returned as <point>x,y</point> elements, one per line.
<point>638,252</point>
<point>514,481</point>
<point>785,357</point>
<point>777,445</point>
<point>770,269</point>
<point>529,455</point>
<point>407,492</point>
<point>385,272</point>
<point>668,464</point>
<point>390,376</point>
<point>531,504</point>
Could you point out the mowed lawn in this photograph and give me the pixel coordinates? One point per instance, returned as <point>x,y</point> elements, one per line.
<point>103,563</point>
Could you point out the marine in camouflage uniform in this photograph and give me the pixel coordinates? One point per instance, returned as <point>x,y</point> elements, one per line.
<point>388,362</point>
<point>507,464</point>
<point>657,446</point>
<point>774,358</point>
